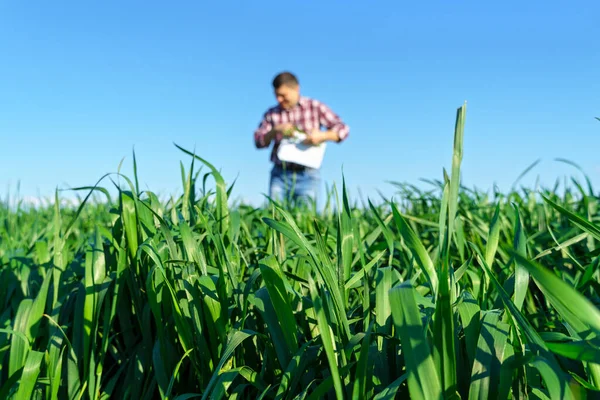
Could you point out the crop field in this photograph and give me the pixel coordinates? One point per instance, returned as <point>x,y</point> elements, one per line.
<point>444,293</point>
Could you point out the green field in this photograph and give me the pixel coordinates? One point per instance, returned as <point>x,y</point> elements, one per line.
<point>445,293</point>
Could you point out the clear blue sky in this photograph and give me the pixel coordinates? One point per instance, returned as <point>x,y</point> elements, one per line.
<point>83,83</point>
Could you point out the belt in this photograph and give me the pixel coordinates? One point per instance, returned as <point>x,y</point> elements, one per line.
<point>292,167</point>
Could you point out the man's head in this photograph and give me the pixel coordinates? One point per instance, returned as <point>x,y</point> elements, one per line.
<point>287,89</point>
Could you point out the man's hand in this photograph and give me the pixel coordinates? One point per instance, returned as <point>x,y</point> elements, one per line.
<point>286,129</point>
<point>317,137</point>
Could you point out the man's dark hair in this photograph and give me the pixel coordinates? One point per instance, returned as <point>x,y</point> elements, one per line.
<point>285,78</point>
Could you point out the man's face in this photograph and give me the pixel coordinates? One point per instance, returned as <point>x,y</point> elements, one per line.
<point>287,96</point>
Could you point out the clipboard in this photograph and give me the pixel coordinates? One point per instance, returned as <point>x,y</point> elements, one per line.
<point>292,150</point>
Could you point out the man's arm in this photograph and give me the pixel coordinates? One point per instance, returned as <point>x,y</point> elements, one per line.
<point>333,123</point>
<point>337,131</point>
<point>266,132</point>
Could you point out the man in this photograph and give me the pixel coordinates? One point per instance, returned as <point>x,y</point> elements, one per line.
<point>289,181</point>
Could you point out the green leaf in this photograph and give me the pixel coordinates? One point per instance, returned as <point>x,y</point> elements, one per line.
<point>345,240</point>
<point>387,232</point>
<point>553,381</point>
<point>30,375</point>
<point>488,359</point>
<point>262,302</point>
<point>423,379</point>
<point>321,264</point>
<point>519,321</point>
<point>361,381</point>
<point>175,373</point>
<point>417,249</point>
<point>275,283</point>
<point>562,294</point>
<point>19,348</point>
<point>358,276</point>
<point>581,222</point>
<point>383,312</point>
<point>457,156</point>
<point>236,338</point>
<point>521,275</point>
<point>327,338</point>
<point>294,371</point>
<point>390,391</point>
<point>469,313</point>
<point>444,336</point>
<point>221,191</point>
<point>577,350</point>
<point>493,237</point>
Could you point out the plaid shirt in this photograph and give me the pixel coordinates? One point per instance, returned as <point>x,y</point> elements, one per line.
<point>308,115</point>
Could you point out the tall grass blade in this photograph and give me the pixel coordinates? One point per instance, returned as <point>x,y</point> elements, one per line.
<point>327,338</point>
<point>457,156</point>
<point>581,222</point>
<point>221,192</point>
<point>470,316</point>
<point>561,294</point>
<point>490,354</point>
<point>519,321</point>
<point>30,375</point>
<point>418,250</point>
<point>235,340</point>
<point>423,379</point>
<point>521,274</point>
<point>275,283</point>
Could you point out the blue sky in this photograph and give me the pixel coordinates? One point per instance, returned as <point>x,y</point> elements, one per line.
<point>84,83</point>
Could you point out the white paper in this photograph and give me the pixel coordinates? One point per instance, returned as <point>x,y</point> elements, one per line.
<point>292,150</point>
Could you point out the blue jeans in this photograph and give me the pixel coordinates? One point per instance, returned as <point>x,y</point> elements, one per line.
<point>294,186</point>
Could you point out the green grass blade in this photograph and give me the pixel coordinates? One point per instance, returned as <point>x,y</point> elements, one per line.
<point>263,304</point>
<point>130,222</point>
<point>457,156</point>
<point>359,275</point>
<point>294,371</point>
<point>469,313</point>
<point>493,237</point>
<point>221,193</point>
<point>444,346</point>
<point>236,338</point>
<point>383,312</point>
<point>37,309</point>
<point>390,391</point>
<point>423,379</point>
<point>490,354</point>
<point>534,339</point>
<point>30,375</point>
<point>7,387</point>
<point>327,339</point>
<point>361,379</point>
<point>19,348</point>
<point>581,222</point>
<point>383,318</point>
<point>553,381</point>
<point>564,295</point>
<point>175,373</point>
<point>387,233</point>
<point>577,350</point>
<point>345,240</point>
<point>561,246</point>
<point>275,283</point>
<point>418,250</point>
<point>521,274</point>
<point>321,264</point>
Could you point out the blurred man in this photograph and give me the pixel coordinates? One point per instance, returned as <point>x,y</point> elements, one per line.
<point>289,181</point>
